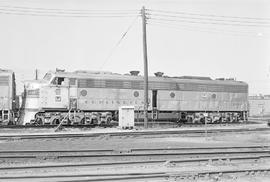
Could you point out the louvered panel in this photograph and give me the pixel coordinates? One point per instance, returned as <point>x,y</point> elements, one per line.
<point>114,84</point>
<point>139,85</point>
<point>4,80</point>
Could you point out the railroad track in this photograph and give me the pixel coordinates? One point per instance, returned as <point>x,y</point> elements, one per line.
<point>168,157</point>
<point>140,162</point>
<point>134,176</point>
<point>115,124</point>
<point>176,154</point>
<point>137,152</point>
<point>131,133</point>
<point>166,175</point>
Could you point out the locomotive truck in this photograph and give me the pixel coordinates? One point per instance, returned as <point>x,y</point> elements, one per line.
<point>87,97</point>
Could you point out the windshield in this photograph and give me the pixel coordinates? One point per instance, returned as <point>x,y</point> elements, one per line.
<point>47,77</point>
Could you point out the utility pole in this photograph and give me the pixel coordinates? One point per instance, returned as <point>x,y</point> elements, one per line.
<point>36,74</point>
<point>145,68</point>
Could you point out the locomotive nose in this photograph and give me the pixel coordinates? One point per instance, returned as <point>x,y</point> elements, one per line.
<point>31,100</point>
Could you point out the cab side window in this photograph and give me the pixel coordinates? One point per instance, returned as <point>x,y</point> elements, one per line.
<point>58,81</point>
<point>72,81</point>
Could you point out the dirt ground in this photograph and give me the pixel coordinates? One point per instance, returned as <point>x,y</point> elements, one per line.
<point>162,141</point>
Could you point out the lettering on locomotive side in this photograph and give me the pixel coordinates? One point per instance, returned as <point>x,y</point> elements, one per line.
<point>107,102</point>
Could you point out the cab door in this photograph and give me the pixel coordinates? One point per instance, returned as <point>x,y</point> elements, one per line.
<point>73,93</point>
<point>56,95</point>
<point>154,105</point>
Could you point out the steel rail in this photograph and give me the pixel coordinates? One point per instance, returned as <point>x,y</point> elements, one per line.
<point>203,148</point>
<point>79,175</point>
<point>130,133</point>
<point>59,156</point>
<point>168,175</point>
<point>111,125</point>
<point>137,149</point>
<point>134,176</point>
<point>171,161</point>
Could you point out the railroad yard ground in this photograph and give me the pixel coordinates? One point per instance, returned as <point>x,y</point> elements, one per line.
<point>111,154</point>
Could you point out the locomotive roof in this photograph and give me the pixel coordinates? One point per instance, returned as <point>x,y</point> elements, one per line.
<point>5,72</point>
<point>110,75</point>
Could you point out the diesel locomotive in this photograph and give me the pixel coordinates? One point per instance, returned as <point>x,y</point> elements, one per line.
<point>87,97</point>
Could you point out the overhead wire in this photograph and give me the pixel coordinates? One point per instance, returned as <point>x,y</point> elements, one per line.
<point>118,42</point>
<point>76,10</point>
<point>67,15</point>
<point>51,12</point>
<point>209,19</point>
<point>68,12</point>
<point>204,30</point>
<point>209,23</point>
<point>207,15</point>
<point>158,17</point>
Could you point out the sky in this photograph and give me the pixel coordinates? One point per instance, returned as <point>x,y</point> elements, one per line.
<point>176,48</point>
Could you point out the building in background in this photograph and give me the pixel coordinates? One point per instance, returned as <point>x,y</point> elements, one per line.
<point>259,105</point>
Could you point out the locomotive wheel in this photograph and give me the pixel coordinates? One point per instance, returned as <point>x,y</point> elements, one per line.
<point>68,122</point>
<point>77,120</point>
<point>10,122</point>
<point>202,120</point>
<point>74,120</point>
<point>108,120</point>
<point>56,121</point>
<point>38,121</point>
<point>86,121</point>
<point>94,121</point>
<point>83,121</point>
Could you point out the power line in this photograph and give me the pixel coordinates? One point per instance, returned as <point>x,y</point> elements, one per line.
<point>65,15</point>
<point>204,30</point>
<point>207,15</point>
<point>208,19</point>
<point>196,27</point>
<point>118,42</point>
<point>76,10</point>
<point>213,23</point>
<point>67,12</point>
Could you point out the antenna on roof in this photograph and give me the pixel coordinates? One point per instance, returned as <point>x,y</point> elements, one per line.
<point>59,70</point>
<point>134,73</point>
<point>36,74</point>
<point>159,74</point>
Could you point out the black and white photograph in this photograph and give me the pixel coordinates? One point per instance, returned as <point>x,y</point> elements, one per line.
<point>135,90</point>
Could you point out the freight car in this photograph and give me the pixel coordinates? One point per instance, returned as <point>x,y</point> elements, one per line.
<point>85,97</point>
<point>8,100</point>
